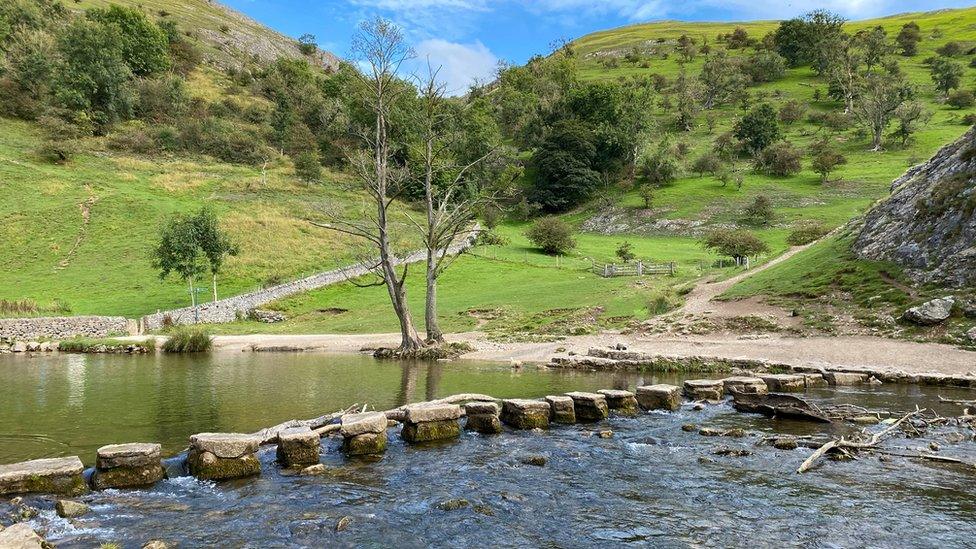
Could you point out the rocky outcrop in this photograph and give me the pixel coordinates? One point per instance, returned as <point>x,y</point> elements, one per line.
<point>931,312</point>
<point>928,225</point>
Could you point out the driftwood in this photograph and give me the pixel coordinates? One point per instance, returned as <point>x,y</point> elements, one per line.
<point>777,405</point>
<point>843,444</point>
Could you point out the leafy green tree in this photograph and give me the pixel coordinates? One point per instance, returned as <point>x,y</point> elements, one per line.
<point>646,191</point>
<point>689,93</point>
<point>625,251</point>
<point>910,116</point>
<point>812,38</point>
<point>564,176</point>
<point>708,162</point>
<point>737,244</point>
<point>946,73</point>
<point>908,38</point>
<point>961,99</point>
<point>721,80</point>
<point>178,252</point>
<point>93,76</point>
<point>758,129</point>
<point>552,235</point>
<point>878,99</point>
<point>306,44</point>
<point>780,159</point>
<point>658,166</point>
<point>825,160</point>
<point>765,66</point>
<point>874,43</point>
<point>143,44</point>
<point>760,211</point>
<point>214,243</point>
<point>686,48</point>
<point>30,64</point>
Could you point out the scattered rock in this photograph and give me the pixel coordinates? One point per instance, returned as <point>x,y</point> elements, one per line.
<point>317,469</point>
<point>689,427</point>
<point>606,433</point>
<point>785,443</point>
<point>484,510</point>
<point>931,312</point>
<point>971,334</point>
<point>157,544</point>
<point>865,420</point>
<point>66,508</point>
<point>453,504</point>
<point>732,452</point>
<point>268,317</point>
<point>343,523</point>
<point>934,446</point>
<point>21,536</point>
<point>537,460</point>
<point>709,432</point>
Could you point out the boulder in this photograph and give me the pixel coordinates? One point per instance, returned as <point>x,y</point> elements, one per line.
<point>659,397</point>
<point>845,378</point>
<point>33,346</point>
<point>931,312</point>
<point>482,418</point>
<point>622,402</point>
<point>21,536</point>
<point>225,445</point>
<point>431,411</point>
<point>52,475</point>
<point>589,406</point>
<point>365,444</point>
<point>744,384</point>
<point>526,414</point>
<point>430,431</point>
<point>299,446</point>
<point>971,334</point>
<point>157,544</point>
<point>65,508</point>
<point>783,383</point>
<point>127,455</point>
<point>561,409</point>
<point>704,389</point>
<point>358,424</point>
<point>19,347</point>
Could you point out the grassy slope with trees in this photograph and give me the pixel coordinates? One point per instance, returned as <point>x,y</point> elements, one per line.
<point>704,201</point>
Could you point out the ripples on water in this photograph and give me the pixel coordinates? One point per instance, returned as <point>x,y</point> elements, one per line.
<point>650,484</point>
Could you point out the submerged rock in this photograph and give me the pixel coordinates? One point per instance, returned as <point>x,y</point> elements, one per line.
<point>537,460</point>
<point>785,443</point>
<point>65,508</point>
<point>453,504</point>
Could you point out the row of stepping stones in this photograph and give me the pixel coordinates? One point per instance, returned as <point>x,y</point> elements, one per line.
<point>220,456</point>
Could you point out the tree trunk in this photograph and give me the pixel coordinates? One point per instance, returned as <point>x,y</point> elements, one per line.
<point>434,333</point>
<point>215,286</point>
<point>193,294</point>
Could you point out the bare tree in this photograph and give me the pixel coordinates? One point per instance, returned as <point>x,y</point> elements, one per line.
<point>381,50</point>
<point>450,200</point>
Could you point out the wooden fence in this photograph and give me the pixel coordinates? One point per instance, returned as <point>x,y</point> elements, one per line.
<point>637,268</point>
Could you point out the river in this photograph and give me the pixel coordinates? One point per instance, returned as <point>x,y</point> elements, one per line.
<point>650,484</point>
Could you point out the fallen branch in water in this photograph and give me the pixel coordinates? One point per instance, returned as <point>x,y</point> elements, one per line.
<point>930,457</point>
<point>842,444</point>
<point>953,401</point>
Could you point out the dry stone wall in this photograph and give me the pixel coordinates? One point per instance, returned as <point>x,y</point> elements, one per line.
<point>232,308</point>
<point>62,327</point>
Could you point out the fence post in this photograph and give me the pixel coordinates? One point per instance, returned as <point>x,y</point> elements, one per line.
<point>671,268</point>
<point>606,271</point>
<point>640,268</point>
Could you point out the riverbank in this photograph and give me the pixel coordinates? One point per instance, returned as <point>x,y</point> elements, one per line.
<point>828,353</point>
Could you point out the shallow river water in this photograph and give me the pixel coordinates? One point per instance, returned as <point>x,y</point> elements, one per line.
<point>650,484</point>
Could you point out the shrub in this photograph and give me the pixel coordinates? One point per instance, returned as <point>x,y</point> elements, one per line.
<point>969,119</point>
<point>188,340</point>
<point>758,129</point>
<point>658,167</point>
<point>737,244</point>
<point>780,159</point>
<point>825,160</point>
<point>307,166</point>
<point>961,99</point>
<point>552,235</point>
<point>792,111</point>
<point>765,66</point>
<point>805,233</point>
<point>951,49</point>
<point>162,98</point>
<point>708,162</point>
<point>760,211</point>
<point>625,251</point>
<point>306,44</point>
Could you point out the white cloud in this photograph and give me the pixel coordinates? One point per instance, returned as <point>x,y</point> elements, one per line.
<point>460,64</point>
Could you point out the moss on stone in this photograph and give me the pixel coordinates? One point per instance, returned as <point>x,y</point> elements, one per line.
<point>431,430</point>
<point>207,466</point>
<point>530,420</point>
<point>487,424</point>
<point>64,485</point>
<point>365,444</point>
<point>127,477</point>
<point>589,413</point>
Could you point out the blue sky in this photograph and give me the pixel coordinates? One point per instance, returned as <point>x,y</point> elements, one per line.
<point>469,37</point>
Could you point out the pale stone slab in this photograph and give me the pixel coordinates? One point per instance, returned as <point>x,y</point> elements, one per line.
<point>745,384</point>
<point>659,397</point>
<point>526,414</point>
<point>360,424</point>
<point>579,396</point>
<point>525,405</point>
<point>589,406</point>
<point>784,382</point>
<point>562,409</point>
<point>431,411</point>
<point>136,454</point>
<point>20,536</point>
<point>54,475</point>
<point>481,408</point>
<point>704,389</point>
<point>226,445</point>
<point>843,378</point>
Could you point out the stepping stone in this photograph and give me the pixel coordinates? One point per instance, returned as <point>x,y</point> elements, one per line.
<point>814,380</point>
<point>704,389</point>
<point>482,418</point>
<point>359,424</point>
<point>127,466</point>
<point>431,411</point>
<point>526,414</point>
<point>784,383</point>
<point>589,406</point>
<point>622,402</point>
<point>52,476</point>
<point>562,409</point>
<point>659,397</point>
<point>844,378</point>
<point>299,447</point>
<point>742,384</point>
<point>221,456</point>
<point>431,431</point>
<point>366,444</point>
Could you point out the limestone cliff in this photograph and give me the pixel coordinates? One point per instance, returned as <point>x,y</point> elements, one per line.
<point>928,224</point>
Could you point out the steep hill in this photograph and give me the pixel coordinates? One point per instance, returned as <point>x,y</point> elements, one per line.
<point>928,225</point>
<point>230,37</point>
